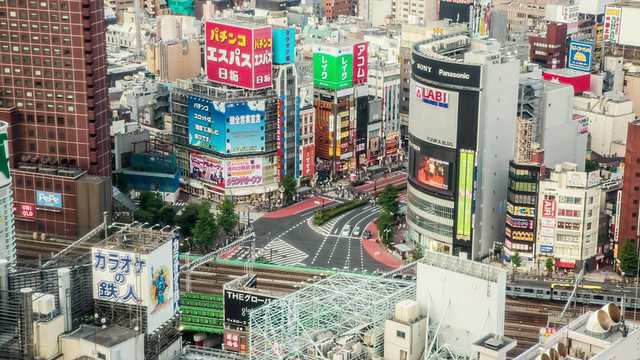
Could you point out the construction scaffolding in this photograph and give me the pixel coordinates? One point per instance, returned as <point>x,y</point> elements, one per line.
<point>344,313</point>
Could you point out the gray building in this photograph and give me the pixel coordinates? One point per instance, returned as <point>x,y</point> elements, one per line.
<point>461,133</point>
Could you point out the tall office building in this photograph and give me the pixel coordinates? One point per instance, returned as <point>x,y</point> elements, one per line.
<point>629,197</point>
<point>54,98</point>
<point>461,133</point>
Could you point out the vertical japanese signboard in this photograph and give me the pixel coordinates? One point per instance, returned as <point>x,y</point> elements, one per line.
<point>333,67</point>
<point>284,46</point>
<point>611,27</point>
<point>238,55</point>
<point>465,194</point>
<point>360,63</point>
<point>547,232</point>
<point>280,122</point>
<point>308,160</point>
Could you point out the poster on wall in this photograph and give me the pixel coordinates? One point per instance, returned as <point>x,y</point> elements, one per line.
<point>245,129</point>
<point>206,168</point>
<point>243,172</point>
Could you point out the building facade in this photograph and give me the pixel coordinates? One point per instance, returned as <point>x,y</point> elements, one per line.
<point>285,83</point>
<point>630,195</point>
<point>461,134</point>
<point>549,50</point>
<point>55,100</point>
<point>226,141</point>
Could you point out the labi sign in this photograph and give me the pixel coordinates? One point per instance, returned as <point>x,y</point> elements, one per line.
<point>49,199</point>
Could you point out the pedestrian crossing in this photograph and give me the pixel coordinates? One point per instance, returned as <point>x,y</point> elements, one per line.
<point>324,229</point>
<point>179,204</point>
<point>403,197</point>
<point>280,252</point>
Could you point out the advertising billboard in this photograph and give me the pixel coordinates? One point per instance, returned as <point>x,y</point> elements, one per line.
<point>245,129</point>
<point>436,117</point>
<point>593,178</point>
<point>465,194</point>
<point>360,63</point>
<point>239,304</point>
<point>432,96</point>
<point>392,143</point>
<point>4,154</point>
<point>206,168</point>
<point>284,50</point>
<point>238,55</point>
<point>149,280</point>
<point>433,172</point>
<point>576,179</point>
<point>521,210</point>
<point>445,72</point>
<point>611,23</point>
<point>456,10</point>
<point>235,341</point>
<point>581,81</point>
<point>549,209</point>
<point>25,210</point>
<point>519,223</point>
<point>333,67</point>
<point>308,160</point>
<point>243,172</point>
<point>206,123</point>
<point>49,199</point>
<point>280,124</point>
<point>580,54</point>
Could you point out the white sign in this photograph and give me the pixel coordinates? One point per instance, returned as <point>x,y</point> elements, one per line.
<point>593,178</point>
<point>120,276</point>
<point>243,172</point>
<point>576,179</point>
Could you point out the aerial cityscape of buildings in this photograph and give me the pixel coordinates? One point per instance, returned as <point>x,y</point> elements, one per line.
<point>333,179</point>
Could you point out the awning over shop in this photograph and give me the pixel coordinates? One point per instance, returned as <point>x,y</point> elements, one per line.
<point>567,265</point>
<point>303,189</point>
<point>599,256</point>
<point>374,168</point>
<point>196,185</point>
<point>183,181</point>
<point>402,248</point>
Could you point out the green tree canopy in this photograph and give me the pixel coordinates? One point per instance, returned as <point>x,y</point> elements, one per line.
<point>590,165</point>
<point>385,222</point>
<point>628,259</point>
<point>418,253</point>
<point>516,261</point>
<point>150,201</point>
<point>187,218</point>
<point>206,230</point>
<point>167,215</point>
<point>289,185</point>
<point>143,216</point>
<point>228,217</point>
<point>549,264</point>
<point>388,199</point>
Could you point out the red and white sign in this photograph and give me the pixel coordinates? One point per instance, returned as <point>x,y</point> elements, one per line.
<point>238,55</point>
<point>360,63</point>
<point>549,209</point>
<point>280,113</point>
<point>611,26</point>
<point>308,160</point>
<point>580,81</point>
<point>25,210</point>
<point>433,96</point>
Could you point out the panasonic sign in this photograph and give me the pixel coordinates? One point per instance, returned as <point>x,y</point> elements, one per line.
<point>427,69</point>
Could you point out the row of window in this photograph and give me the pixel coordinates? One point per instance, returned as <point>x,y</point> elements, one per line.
<point>62,150</point>
<point>33,3</point>
<point>523,186</point>
<point>48,185</point>
<point>39,95</point>
<point>522,174</point>
<point>430,225</point>
<point>429,207</point>
<point>521,199</point>
<point>50,120</point>
<point>39,106</point>
<point>39,28</point>
<point>44,16</point>
<point>36,50</point>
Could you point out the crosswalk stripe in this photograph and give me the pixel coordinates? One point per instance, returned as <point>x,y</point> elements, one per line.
<point>283,253</point>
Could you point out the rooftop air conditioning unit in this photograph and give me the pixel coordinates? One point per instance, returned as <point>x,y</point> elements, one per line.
<point>43,304</point>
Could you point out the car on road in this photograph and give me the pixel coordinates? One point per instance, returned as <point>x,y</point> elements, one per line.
<point>346,230</point>
<point>366,234</point>
<point>356,231</point>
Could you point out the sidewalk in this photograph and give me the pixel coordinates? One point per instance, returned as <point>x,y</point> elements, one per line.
<point>379,251</point>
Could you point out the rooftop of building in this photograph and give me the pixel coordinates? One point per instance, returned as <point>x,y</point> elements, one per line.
<point>135,238</point>
<point>243,20</point>
<point>109,336</point>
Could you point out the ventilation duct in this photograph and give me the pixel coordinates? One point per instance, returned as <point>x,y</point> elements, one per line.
<point>53,160</point>
<point>64,162</point>
<point>26,158</point>
<point>44,160</point>
<point>34,159</point>
<point>73,163</point>
<point>599,323</point>
<point>561,349</point>
<point>614,313</point>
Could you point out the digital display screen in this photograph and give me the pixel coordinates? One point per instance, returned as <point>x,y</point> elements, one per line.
<point>433,172</point>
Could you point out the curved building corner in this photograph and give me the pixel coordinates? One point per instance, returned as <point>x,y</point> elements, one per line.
<point>461,134</point>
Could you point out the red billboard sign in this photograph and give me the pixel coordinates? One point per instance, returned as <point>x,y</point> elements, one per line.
<point>279,134</point>
<point>549,209</point>
<point>308,160</point>
<point>238,55</point>
<point>25,210</point>
<point>580,81</point>
<point>360,63</point>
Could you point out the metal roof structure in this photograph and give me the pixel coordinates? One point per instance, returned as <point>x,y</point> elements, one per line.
<point>340,311</point>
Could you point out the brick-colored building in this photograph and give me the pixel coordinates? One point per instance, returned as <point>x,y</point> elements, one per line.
<point>550,51</point>
<point>54,98</point>
<point>629,206</point>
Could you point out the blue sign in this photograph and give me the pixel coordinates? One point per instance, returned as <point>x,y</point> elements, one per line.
<point>207,124</point>
<point>245,127</point>
<point>580,56</point>
<point>546,249</point>
<point>284,46</point>
<point>48,199</point>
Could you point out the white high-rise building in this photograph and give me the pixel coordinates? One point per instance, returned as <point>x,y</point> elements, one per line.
<point>414,12</point>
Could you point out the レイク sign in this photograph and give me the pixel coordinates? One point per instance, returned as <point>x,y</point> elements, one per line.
<point>49,199</point>
<point>433,96</point>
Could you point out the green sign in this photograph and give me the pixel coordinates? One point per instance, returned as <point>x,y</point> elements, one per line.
<point>465,194</point>
<point>332,72</point>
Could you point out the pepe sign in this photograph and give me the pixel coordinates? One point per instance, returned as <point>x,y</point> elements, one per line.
<point>49,199</point>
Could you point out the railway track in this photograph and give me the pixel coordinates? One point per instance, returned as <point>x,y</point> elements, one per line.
<point>29,251</point>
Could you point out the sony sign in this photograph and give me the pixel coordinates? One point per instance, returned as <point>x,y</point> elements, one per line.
<point>445,72</point>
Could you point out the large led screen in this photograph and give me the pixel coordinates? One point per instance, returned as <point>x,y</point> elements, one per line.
<point>433,172</point>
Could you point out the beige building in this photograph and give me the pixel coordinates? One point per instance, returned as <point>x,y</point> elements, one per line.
<point>632,89</point>
<point>414,11</point>
<point>172,60</point>
<point>528,11</point>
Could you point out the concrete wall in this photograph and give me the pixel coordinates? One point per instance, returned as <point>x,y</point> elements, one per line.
<point>496,133</point>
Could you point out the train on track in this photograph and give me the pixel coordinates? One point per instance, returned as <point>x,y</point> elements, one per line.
<point>585,294</point>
